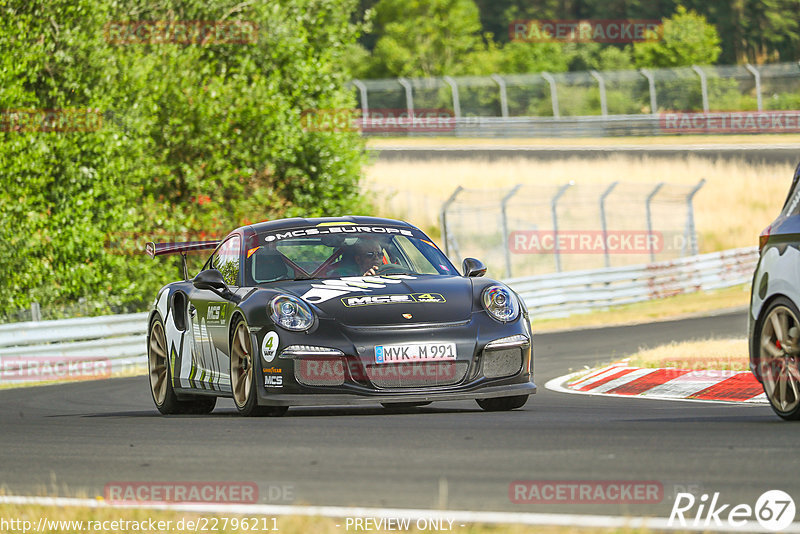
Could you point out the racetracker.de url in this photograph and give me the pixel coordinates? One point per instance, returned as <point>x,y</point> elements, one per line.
<point>149,525</point>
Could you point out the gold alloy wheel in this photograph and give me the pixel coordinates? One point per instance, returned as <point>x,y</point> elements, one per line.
<point>779,348</point>
<point>241,365</point>
<point>157,362</point>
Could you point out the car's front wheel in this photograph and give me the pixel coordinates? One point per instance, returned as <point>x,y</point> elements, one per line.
<point>243,374</point>
<point>779,355</point>
<point>166,401</point>
<point>502,404</point>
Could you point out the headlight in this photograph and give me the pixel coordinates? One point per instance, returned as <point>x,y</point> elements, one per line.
<point>501,303</point>
<point>291,313</point>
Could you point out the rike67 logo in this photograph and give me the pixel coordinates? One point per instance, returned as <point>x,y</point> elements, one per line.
<point>774,511</point>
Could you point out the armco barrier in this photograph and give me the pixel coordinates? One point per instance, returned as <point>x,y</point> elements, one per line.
<point>120,339</point>
<point>565,293</point>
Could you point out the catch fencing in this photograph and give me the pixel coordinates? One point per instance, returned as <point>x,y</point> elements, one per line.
<point>588,103</point>
<point>530,229</point>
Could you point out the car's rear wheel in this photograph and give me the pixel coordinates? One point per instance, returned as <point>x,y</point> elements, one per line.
<point>779,355</point>
<point>243,375</point>
<point>502,404</point>
<point>164,396</point>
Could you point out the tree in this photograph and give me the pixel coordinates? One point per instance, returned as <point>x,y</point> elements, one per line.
<point>425,37</point>
<point>196,137</point>
<point>688,39</point>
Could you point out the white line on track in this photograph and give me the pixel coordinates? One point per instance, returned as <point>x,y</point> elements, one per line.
<point>460,517</point>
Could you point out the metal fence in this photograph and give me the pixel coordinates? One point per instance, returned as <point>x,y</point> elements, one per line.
<point>529,229</point>
<point>46,350</point>
<point>559,295</point>
<point>627,102</point>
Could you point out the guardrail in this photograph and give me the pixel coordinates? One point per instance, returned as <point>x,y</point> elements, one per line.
<point>119,341</point>
<point>571,292</point>
<point>47,350</point>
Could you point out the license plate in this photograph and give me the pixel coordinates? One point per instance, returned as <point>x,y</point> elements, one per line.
<point>415,352</point>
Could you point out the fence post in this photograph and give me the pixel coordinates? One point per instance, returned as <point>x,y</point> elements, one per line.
<point>553,94</point>
<point>409,97</point>
<point>501,83</point>
<point>652,83</point>
<point>690,230</point>
<point>703,86</point>
<point>443,217</point>
<point>554,213</point>
<point>504,223</point>
<point>456,100</point>
<point>757,77</point>
<point>603,221</point>
<point>653,193</point>
<point>364,103</point>
<point>601,85</point>
<point>36,312</point>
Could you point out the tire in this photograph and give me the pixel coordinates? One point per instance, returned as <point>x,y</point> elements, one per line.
<point>243,375</point>
<point>161,389</point>
<point>778,346</point>
<point>502,404</point>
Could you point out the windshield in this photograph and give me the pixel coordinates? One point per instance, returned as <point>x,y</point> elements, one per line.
<point>307,253</point>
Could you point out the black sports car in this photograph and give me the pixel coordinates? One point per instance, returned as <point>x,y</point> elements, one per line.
<point>334,311</point>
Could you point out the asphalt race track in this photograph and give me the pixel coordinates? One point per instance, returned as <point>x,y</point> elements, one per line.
<point>73,439</point>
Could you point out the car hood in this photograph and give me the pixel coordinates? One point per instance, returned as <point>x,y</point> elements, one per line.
<point>394,299</point>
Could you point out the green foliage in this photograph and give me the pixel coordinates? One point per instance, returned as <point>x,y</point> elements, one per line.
<point>425,37</point>
<point>197,138</point>
<point>688,39</point>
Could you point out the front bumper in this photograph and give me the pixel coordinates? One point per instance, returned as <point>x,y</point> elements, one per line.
<point>340,399</point>
<point>356,347</point>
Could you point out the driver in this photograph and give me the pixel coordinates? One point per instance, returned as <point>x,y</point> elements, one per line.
<point>364,258</point>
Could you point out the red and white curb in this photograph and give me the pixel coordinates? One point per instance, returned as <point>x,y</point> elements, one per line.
<point>622,380</point>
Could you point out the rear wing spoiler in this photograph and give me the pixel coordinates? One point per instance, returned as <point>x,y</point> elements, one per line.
<point>161,249</point>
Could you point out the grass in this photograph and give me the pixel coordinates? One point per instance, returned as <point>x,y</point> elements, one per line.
<point>377,142</point>
<point>716,354</point>
<point>654,310</point>
<point>285,524</point>
<point>738,200</point>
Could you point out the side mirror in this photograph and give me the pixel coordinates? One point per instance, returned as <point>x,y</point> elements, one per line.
<point>210,279</point>
<point>473,268</point>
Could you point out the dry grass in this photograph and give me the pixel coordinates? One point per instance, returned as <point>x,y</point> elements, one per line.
<point>131,370</point>
<point>654,310</point>
<point>737,202</point>
<point>377,142</point>
<point>716,354</point>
